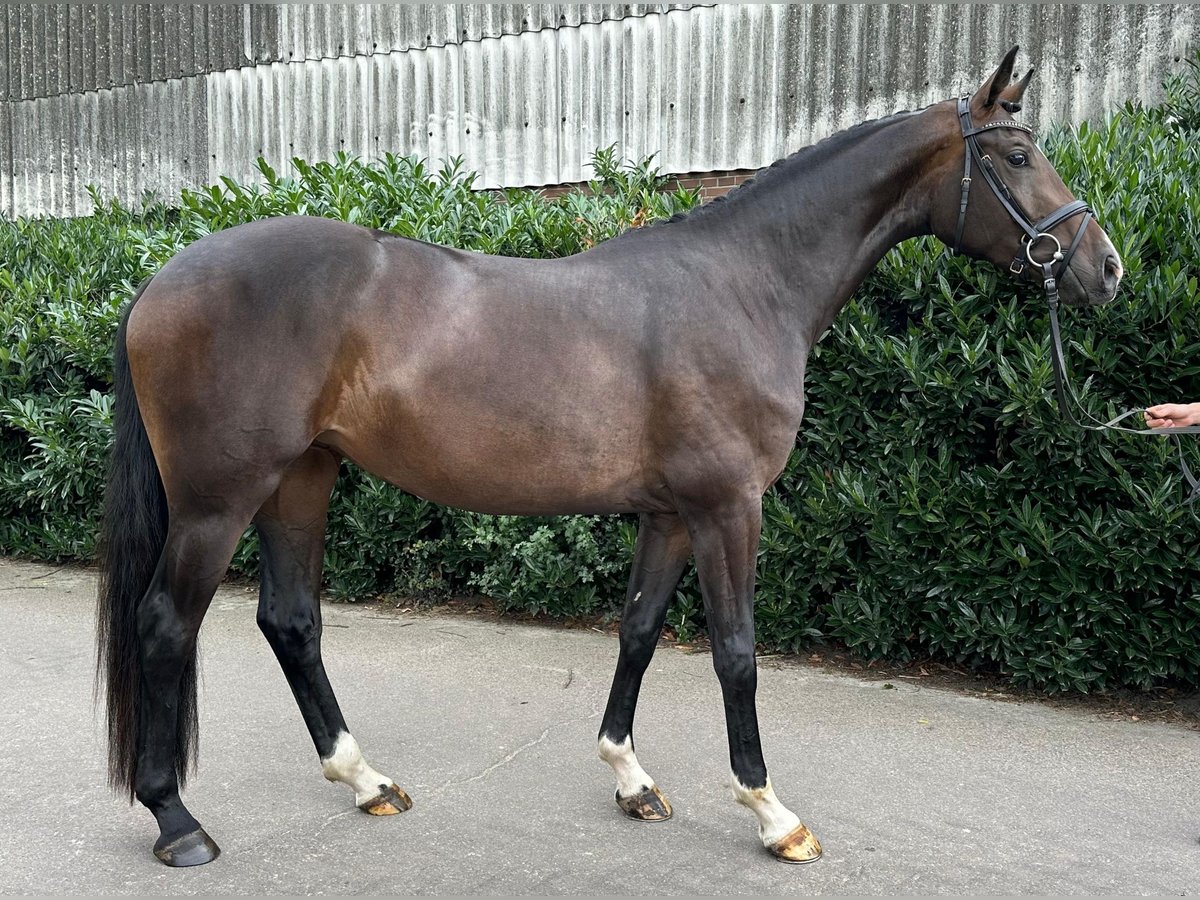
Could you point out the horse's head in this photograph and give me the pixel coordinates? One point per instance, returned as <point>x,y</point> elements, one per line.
<point>1001,200</point>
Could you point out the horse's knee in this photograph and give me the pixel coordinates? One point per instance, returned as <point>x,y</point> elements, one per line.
<point>735,665</point>
<point>638,641</point>
<point>293,634</point>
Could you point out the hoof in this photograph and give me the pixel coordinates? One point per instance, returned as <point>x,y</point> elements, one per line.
<point>797,846</point>
<point>648,806</point>
<point>390,802</point>
<point>193,849</point>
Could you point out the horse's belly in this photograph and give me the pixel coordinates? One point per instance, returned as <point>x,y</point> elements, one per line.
<point>531,453</point>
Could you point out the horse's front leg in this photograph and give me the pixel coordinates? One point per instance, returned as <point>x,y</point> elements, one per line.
<point>725,542</point>
<point>662,551</point>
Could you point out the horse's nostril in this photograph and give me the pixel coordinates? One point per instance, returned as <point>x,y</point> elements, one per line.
<point>1112,271</point>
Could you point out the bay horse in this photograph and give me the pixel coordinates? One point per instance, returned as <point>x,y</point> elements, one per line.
<point>658,373</point>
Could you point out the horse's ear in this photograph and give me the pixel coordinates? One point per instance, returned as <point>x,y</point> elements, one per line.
<point>985,97</point>
<point>1010,97</point>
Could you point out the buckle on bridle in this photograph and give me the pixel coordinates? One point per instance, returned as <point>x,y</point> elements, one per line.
<point>1017,267</point>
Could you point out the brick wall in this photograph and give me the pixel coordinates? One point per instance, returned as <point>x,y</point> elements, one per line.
<point>710,184</point>
<point>713,184</point>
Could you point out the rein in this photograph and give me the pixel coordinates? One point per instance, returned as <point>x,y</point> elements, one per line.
<point>1035,233</point>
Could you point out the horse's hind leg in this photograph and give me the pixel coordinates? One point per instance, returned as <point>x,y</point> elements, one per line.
<point>662,551</point>
<point>291,525</point>
<point>197,552</point>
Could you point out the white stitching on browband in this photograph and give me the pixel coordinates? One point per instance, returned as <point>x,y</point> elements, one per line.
<point>1005,124</point>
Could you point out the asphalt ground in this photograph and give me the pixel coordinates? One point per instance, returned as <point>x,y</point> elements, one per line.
<point>491,725</point>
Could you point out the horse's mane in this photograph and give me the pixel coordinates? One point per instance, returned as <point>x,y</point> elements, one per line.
<point>805,156</point>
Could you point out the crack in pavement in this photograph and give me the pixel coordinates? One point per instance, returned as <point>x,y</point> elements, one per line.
<point>329,821</point>
<point>510,757</point>
<point>298,832</point>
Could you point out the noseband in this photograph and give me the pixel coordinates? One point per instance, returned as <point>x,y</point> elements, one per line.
<point>1036,233</point>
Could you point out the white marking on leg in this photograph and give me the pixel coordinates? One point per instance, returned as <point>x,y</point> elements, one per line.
<point>632,779</point>
<point>346,764</point>
<point>637,596</point>
<point>775,820</point>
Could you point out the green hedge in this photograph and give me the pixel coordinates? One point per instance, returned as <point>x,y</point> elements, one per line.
<point>936,502</point>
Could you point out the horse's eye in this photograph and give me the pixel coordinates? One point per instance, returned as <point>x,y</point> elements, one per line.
<point>1018,159</point>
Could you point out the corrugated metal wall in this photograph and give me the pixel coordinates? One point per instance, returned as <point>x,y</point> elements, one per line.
<point>60,48</point>
<point>155,97</point>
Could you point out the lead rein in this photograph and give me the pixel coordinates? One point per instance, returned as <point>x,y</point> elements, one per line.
<point>1062,387</point>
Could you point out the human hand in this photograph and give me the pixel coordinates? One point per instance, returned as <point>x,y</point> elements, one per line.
<point>1173,415</point>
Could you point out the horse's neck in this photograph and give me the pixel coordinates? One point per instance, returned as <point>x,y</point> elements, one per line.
<point>815,229</point>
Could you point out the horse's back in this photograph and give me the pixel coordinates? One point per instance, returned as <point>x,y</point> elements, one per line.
<point>468,379</point>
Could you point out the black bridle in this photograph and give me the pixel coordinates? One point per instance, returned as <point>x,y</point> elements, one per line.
<point>1035,232</point>
<point>1052,269</point>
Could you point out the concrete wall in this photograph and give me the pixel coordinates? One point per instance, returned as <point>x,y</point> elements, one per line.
<point>154,97</point>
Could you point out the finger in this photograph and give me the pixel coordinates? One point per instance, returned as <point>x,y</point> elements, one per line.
<point>1166,410</point>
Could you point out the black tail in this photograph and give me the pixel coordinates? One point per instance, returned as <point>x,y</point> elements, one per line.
<point>135,531</point>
